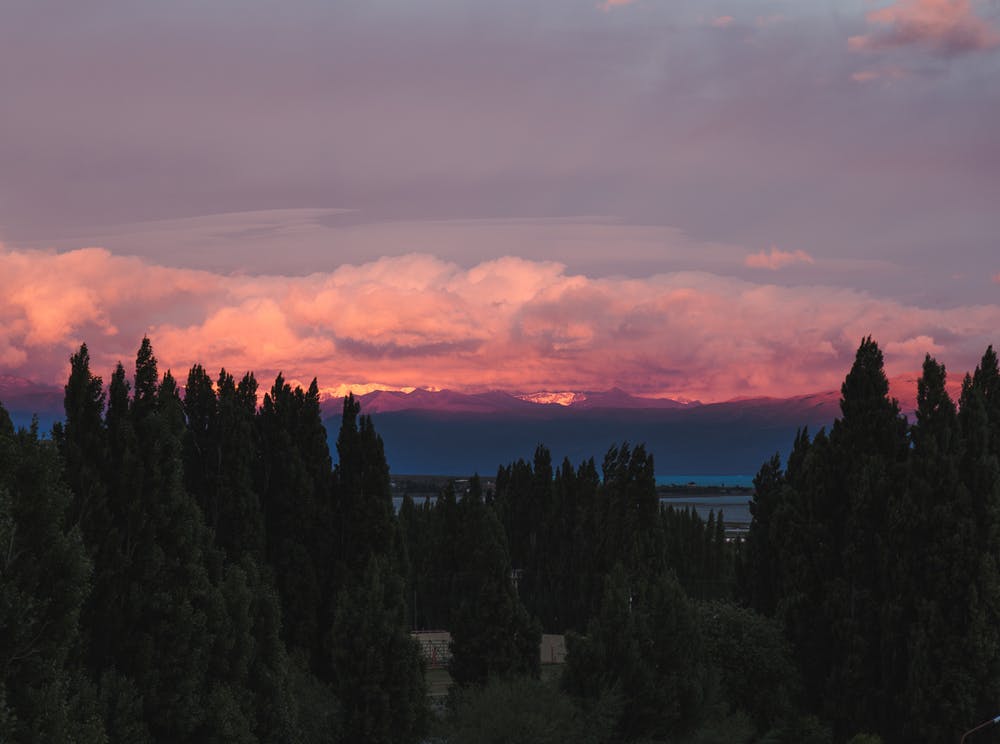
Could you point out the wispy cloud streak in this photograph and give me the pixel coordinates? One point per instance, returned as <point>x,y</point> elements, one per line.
<point>777,259</point>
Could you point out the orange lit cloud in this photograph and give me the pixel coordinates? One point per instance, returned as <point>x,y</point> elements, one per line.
<point>776,259</point>
<point>723,21</point>
<point>510,323</point>
<point>948,27</point>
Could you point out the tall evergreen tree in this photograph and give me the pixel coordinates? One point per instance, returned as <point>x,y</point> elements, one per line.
<point>364,497</point>
<point>378,668</point>
<point>630,510</point>
<point>492,633</point>
<point>220,453</point>
<point>294,520</point>
<point>44,575</point>
<point>870,446</point>
<point>83,445</point>
<point>932,530</point>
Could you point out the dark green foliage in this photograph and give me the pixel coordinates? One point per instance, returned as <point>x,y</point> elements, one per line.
<point>197,571</point>
<point>121,707</point>
<point>519,709</point>
<point>317,707</point>
<point>629,511</point>
<point>240,520</point>
<point>645,645</point>
<point>378,667</point>
<point>180,644</point>
<point>761,585</point>
<point>44,574</point>
<point>492,633</point>
<point>83,445</point>
<point>364,499</point>
<point>567,529</point>
<point>877,549</point>
<point>698,553</point>
<point>295,494</point>
<point>754,662</point>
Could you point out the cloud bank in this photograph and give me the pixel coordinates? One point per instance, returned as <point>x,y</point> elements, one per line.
<point>509,323</point>
<point>946,27</point>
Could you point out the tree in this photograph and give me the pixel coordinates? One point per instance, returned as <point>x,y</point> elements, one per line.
<point>870,446</point>
<point>363,495</point>
<point>492,633</point>
<point>295,522</point>
<point>220,451</point>
<point>521,709</point>
<point>645,645</point>
<point>44,578</point>
<point>630,508</point>
<point>378,668</point>
<point>754,662</point>
<point>761,586</point>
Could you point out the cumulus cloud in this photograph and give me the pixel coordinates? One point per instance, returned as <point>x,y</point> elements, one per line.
<point>946,27</point>
<point>776,259</point>
<point>723,21</point>
<point>510,323</point>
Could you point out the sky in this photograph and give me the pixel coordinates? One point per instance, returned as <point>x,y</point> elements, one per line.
<point>694,199</point>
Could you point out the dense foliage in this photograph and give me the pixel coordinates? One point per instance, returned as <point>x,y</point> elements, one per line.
<point>876,548</point>
<point>191,566</point>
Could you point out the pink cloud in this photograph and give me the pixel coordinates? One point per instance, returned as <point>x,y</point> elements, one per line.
<point>609,5</point>
<point>511,324</point>
<point>948,27</point>
<point>881,73</point>
<point>996,278</point>
<point>723,21</point>
<point>776,259</point>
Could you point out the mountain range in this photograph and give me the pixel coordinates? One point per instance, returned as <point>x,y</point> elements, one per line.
<point>452,433</point>
<point>447,432</point>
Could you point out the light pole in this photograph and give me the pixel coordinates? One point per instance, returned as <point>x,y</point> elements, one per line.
<point>980,727</point>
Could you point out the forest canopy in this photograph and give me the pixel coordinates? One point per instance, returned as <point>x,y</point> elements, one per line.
<point>181,561</point>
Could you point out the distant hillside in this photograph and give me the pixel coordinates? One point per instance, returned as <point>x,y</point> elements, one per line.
<point>713,439</point>
<point>447,432</point>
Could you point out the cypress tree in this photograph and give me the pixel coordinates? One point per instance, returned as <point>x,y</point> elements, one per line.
<point>378,668</point>
<point>761,588</point>
<point>630,508</point>
<point>292,515</point>
<point>492,632</point>
<point>364,497</point>
<point>926,613</point>
<point>44,578</point>
<point>870,446</point>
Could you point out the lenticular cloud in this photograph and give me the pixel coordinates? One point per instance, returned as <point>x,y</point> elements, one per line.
<point>509,323</point>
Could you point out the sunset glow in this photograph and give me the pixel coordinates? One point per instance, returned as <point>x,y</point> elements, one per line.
<point>542,198</point>
<point>509,323</point>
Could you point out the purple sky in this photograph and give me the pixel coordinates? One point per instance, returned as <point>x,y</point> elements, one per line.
<point>852,147</point>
